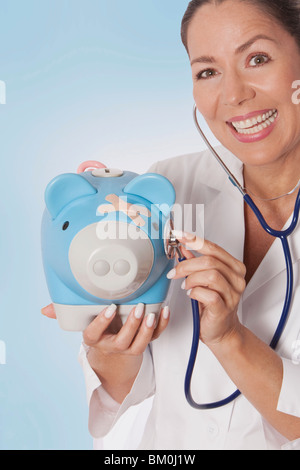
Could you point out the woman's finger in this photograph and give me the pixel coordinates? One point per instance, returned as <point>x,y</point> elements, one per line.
<point>144,335</point>
<point>210,265</point>
<point>209,299</point>
<point>212,280</point>
<point>208,248</point>
<point>162,323</point>
<point>99,325</point>
<point>101,334</point>
<point>49,311</point>
<point>123,340</point>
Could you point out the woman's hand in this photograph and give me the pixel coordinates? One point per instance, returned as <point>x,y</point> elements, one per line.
<point>107,334</point>
<point>216,280</point>
<point>115,350</point>
<point>107,327</point>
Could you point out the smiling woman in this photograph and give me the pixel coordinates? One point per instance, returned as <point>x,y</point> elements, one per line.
<point>245,79</point>
<point>255,124</point>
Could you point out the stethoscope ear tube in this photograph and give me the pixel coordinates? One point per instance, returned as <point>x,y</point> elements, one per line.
<point>232,178</point>
<point>283,236</point>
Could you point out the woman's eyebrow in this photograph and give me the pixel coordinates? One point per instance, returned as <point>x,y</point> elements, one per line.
<point>251,41</point>
<point>205,59</point>
<point>210,59</point>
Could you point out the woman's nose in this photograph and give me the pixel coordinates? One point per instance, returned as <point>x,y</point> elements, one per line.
<point>236,90</point>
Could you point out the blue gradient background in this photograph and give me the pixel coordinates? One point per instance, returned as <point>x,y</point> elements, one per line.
<point>86,79</point>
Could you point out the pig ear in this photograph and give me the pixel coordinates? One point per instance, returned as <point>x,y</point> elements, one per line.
<point>65,188</point>
<point>155,188</point>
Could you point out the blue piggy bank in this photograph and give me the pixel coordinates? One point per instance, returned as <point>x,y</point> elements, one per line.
<point>103,242</point>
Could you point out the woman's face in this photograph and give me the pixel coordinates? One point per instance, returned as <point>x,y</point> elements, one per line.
<point>243,66</point>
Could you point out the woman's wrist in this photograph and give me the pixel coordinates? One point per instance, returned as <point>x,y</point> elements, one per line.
<point>231,343</point>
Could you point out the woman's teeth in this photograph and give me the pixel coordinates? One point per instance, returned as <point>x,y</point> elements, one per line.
<point>256,124</point>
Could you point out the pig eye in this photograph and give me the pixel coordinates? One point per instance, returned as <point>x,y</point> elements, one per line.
<point>66,225</point>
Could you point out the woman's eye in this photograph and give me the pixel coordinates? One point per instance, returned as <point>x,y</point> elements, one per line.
<point>206,74</point>
<point>258,59</point>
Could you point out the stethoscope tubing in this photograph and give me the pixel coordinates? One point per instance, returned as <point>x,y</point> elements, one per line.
<point>283,236</point>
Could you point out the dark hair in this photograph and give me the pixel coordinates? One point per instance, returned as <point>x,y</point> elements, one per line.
<point>285,12</point>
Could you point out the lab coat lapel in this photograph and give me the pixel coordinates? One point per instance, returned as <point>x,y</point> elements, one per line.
<point>224,214</point>
<point>224,207</point>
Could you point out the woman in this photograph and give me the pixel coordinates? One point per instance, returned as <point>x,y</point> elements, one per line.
<point>245,56</point>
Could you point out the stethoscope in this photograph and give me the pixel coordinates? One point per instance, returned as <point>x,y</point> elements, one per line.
<point>283,236</point>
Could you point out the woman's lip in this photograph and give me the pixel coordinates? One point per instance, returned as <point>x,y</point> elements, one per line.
<point>256,137</point>
<point>249,115</point>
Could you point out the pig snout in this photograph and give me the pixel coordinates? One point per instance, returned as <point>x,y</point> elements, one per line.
<point>102,267</point>
<point>107,266</point>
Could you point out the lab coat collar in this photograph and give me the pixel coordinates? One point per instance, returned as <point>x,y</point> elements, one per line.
<point>214,173</point>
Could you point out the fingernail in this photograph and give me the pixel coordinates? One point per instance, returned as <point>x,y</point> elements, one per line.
<point>188,292</point>
<point>150,320</point>
<point>139,310</point>
<point>171,274</point>
<point>166,313</point>
<point>183,285</point>
<point>110,311</point>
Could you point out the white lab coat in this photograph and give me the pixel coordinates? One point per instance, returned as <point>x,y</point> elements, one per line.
<point>172,423</point>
